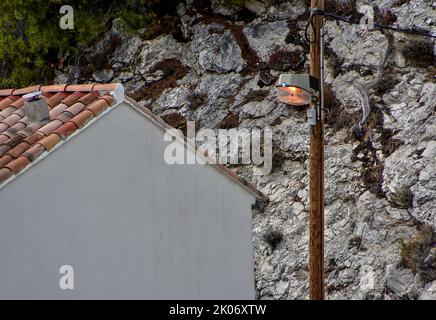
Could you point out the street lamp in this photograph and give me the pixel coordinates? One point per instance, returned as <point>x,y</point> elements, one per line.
<point>303,89</point>
<point>298,89</point>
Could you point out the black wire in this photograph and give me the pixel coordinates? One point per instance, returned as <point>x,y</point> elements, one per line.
<point>318,12</point>
<point>306,34</point>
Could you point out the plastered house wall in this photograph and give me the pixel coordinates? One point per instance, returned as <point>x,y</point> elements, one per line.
<point>130,225</point>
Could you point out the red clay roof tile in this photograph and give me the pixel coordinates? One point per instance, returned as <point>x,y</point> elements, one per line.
<point>15,140</point>
<point>5,160</point>
<point>17,103</point>
<point>73,98</point>
<point>80,87</point>
<point>5,174</point>
<point>76,108</point>
<point>18,165</point>
<point>19,149</point>
<point>34,138</point>
<point>56,111</point>
<point>7,102</point>
<point>50,127</point>
<point>4,149</point>
<point>6,92</point>
<point>49,142</point>
<point>3,138</point>
<point>3,127</point>
<point>30,129</point>
<point>55,99</point>
<point>54,88</point>
<point>15,128</point>
<point>65,130</point>
<point>108,99</point>
<point>88,98</point>
<point>12,119</point>
<point>105,87</point>
<point>34,152</point>
<point>65,117</point>
<point>23,91</point>
<point>98,106</point>
<point>82,118</point>
<point>7,112</point>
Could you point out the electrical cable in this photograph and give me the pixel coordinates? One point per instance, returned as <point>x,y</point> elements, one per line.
<point>318,12</point>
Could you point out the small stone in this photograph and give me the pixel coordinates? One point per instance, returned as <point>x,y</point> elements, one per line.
<point>424,176</point>
<point>399,281</point>
<point>430,151</point>
<point>104,75</point>
<point>431,258</point>
<point>429,292</point>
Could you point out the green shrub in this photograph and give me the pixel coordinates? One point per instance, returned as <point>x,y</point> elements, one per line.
<point>32,44</point>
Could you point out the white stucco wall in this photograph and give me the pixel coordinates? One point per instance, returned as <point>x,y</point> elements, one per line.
<point>130,225</point>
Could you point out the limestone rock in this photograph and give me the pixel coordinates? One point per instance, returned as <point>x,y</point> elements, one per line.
<point>429,292</point>
<point>104,76</point>
<point>400,281</point>
<point>217,49</point>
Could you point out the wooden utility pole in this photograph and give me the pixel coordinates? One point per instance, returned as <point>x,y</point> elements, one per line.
<point>316,218</point>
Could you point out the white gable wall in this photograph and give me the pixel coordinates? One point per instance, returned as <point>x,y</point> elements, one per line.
<point>130,225</point>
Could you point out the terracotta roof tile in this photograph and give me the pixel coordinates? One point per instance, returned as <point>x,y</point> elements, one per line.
<point>82,118</point>
<point>64,117</point>
<point>80,87</point>
<point>76,108</point>
<point>49,142</point>
<point>3,127</point>
<point>6,92</point>
<point>50,127</point>
<point>98,106</point>
<point>15,128</point>
<point>20,112</point>
<point>30,129</point>
<point>55,99</point>
<point>4,149</point>
<point>34,152</point>
<point>65,130</point>
<point>12,119</point>
<point>15,140</point>
<point>108,99</point>
<point>23,91</point>
<point>56,111</point>
<point>105,87</point>
<point>5,174</point>
<point>17,103</point>
<point>5,160</point>
<point>54,88</point>
<point>7,111</point>
<point>88,98</point>
<point>7,102</point>
<point>19,149</point>
<point>3,138</point>
<point>73,98</point>
<point>34,138</point>
<point>17,165</point>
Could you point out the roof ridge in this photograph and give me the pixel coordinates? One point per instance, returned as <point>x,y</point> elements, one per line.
<point>88,87</point>
<point>247,185</point>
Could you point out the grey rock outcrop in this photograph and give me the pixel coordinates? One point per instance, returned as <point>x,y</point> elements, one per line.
<point>380,183</point>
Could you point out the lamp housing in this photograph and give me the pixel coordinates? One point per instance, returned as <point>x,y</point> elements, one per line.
<point>297,89</point>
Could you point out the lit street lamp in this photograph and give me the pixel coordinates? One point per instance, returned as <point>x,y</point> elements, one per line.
<point>303,89</point>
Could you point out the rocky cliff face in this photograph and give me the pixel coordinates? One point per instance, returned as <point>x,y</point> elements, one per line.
<point>218,67</point>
